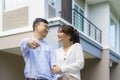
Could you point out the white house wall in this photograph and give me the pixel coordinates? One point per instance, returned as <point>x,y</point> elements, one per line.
<point>37,8</point>
<point>52,37</point>
<point>99,14</point>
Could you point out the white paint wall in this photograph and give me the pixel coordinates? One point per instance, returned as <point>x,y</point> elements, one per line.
<point>0,16</point>
<point>99,14</point>
<point>52,37</point>
<point>86,12</point>
<point>37,8</point>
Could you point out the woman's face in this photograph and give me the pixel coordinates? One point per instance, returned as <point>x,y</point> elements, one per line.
<point>62,37</point>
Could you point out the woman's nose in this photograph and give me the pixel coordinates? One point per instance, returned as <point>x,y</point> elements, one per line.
<point>58,34</point>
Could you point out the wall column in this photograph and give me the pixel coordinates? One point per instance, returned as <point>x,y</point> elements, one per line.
<point>97,69</point>
<point>104,68</point>
<point>115,71</point>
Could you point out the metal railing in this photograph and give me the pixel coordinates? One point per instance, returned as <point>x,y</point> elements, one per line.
<point>86,26</point>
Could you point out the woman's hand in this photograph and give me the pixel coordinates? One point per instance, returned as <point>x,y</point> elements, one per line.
<point>56,69</point>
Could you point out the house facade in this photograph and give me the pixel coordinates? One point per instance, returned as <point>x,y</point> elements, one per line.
<point>98,22</point>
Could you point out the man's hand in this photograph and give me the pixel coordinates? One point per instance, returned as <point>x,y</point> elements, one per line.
<point>56,69</point>
<point>33,43</point>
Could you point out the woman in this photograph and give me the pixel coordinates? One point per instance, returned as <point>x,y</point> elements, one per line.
<point>69,57</point>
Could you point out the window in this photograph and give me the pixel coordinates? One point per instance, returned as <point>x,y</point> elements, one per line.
<point>78,14</point>
<point>113,34</point>
<point>12,4</point>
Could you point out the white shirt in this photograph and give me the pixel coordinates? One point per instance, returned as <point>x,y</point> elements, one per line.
<point>71,61</point>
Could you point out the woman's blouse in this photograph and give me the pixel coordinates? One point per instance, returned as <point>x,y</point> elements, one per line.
<point>71,61</point>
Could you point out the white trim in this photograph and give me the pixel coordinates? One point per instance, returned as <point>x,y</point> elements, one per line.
<point>3,5</point>
<point>16,31</point>
<point>73,2</point>
<point>53,19</point>
<point>114,50</point>
<point>77,5</point>
<point>60,19</point>
<point>16,8</point>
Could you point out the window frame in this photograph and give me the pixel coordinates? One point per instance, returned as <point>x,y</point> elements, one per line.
<point>73,7</point>
<point>15,7</point>
<point>117,42</point>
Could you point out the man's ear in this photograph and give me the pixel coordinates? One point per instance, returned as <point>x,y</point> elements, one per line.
<point>36,26</point>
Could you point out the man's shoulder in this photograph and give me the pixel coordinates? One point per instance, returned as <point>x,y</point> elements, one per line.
<point>47,44</point>
<point>23,39</point>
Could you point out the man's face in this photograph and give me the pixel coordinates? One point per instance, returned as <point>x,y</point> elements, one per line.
<point>42,29</point>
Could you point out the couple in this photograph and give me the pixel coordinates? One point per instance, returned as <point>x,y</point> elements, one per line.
<point>43,63</point>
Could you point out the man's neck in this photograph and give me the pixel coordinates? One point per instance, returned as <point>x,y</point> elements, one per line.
<point>38,37</point>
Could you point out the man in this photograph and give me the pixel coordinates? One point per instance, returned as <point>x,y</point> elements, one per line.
<point>38,54</point>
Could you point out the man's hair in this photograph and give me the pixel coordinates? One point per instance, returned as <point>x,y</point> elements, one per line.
<point>38,20</point>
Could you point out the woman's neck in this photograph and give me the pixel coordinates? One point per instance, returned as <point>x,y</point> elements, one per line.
<point>66,45</point>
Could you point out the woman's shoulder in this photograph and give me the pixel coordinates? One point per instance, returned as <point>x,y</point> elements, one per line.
<point>77,44</point>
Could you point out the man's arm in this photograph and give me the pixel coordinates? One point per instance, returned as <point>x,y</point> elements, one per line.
<point>28,43</point>
<point>24,46</point>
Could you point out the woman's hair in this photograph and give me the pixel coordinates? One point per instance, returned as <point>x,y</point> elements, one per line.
<point>69,30</point>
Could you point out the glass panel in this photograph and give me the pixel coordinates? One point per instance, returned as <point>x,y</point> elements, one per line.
<point>78,18</point>
<point>113,34</point>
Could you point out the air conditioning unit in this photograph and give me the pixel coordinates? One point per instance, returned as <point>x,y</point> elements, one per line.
<point>51,9</point>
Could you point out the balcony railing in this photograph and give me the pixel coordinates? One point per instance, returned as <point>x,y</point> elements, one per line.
<point>86,26</point>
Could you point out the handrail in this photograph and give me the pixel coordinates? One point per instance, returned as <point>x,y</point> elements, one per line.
<point>88,27</point>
